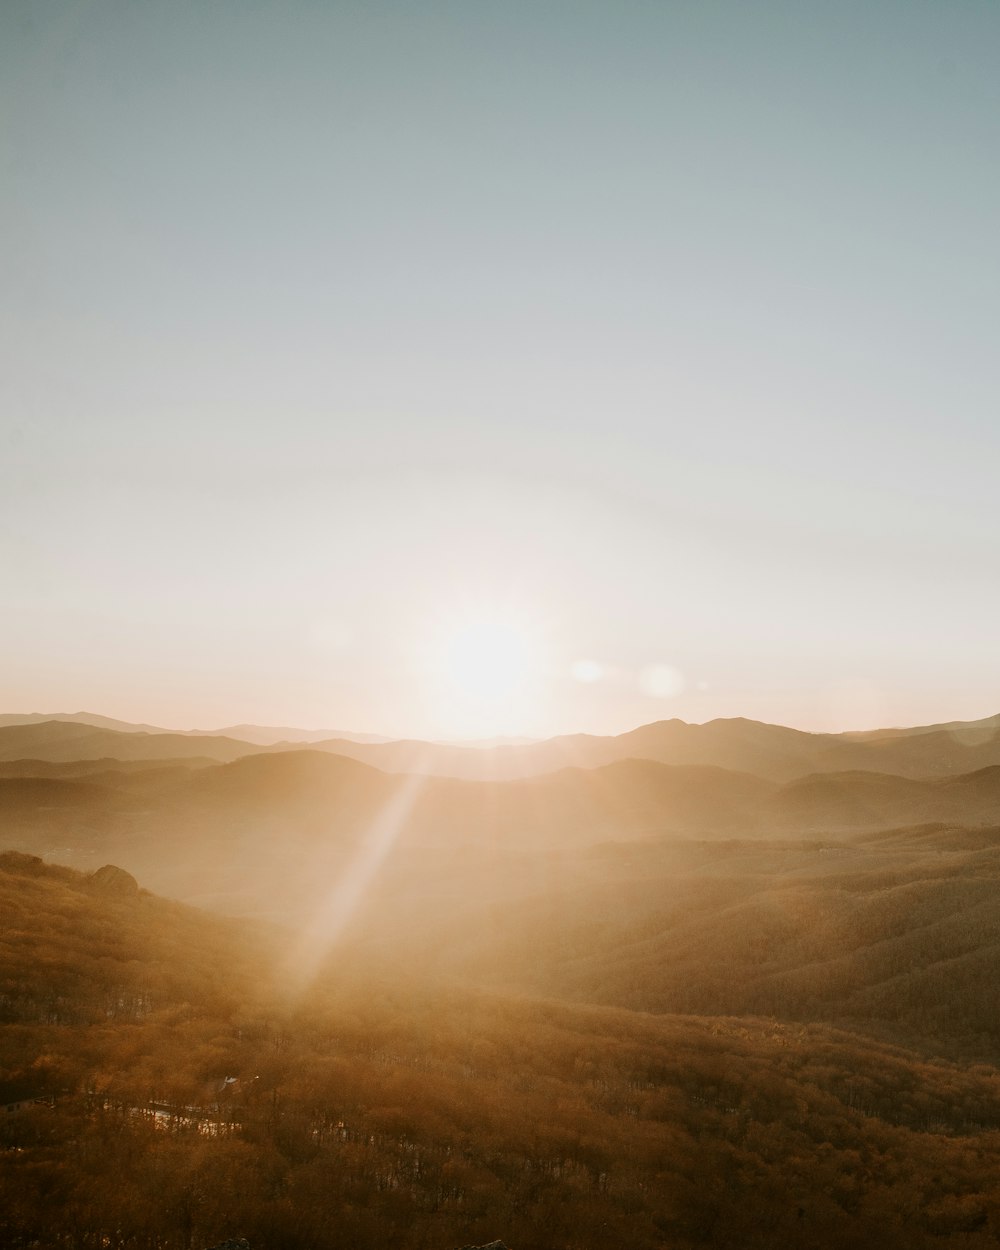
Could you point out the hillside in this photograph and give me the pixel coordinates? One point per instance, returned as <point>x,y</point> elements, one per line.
<point>189,1099</point>
<point>832,898</point>
<point>269,832</point>
<point>113,770</point>
<point>63,741</point>
<point>897,934</point>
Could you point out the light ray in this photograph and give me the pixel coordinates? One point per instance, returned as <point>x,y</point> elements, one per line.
<point>341,904</point>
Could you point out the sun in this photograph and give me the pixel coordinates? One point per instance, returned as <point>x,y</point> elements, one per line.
<point>486,660</point>
<point>486,670</point>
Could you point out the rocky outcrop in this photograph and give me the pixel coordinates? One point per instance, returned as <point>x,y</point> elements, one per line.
<point>113,880</point>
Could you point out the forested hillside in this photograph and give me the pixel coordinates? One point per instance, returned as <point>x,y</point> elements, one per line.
<point>370,1108</point>
<point>654,1005</point>
<point>895,933</point>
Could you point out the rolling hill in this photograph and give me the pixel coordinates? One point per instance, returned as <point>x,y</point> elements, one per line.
<point>257,735</point>
<point>895,934</point>
<point>182,1095</point>
<point>773,752</point>
<point>267,831</point>
<point>68,741</point>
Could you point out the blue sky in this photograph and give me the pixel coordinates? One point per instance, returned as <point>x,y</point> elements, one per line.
<point>667,329</point>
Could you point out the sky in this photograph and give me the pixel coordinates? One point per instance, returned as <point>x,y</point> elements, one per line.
<point>460,369</point>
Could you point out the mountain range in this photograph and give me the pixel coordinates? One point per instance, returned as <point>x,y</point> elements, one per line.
<point>262,735</point>
<point>775,752</point>
<point>266,829</point>
<point>743,993</point>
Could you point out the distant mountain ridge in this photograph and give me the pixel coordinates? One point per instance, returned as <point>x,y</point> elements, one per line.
<point>260,735</point>
<point>77,718</point>
<point>63,741</point>
<point>774,752</point>
<point>625,799</point>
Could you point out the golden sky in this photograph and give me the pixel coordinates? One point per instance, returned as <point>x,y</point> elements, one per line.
<point>453,370</point>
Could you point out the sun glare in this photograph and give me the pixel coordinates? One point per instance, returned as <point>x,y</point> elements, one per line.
<point>486,660</point>
<point>486,671</point>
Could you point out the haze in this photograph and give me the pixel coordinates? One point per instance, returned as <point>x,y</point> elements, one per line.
<point>649,349</point>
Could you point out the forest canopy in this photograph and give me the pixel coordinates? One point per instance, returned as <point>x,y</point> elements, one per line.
<point>185,1095</point>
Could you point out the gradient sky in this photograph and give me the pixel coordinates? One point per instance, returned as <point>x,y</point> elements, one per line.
<point>667,329</point>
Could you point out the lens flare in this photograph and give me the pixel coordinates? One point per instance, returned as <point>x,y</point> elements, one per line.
<point>587,671</point>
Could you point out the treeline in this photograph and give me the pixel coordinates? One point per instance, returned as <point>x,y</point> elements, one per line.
<point>371,1111</point>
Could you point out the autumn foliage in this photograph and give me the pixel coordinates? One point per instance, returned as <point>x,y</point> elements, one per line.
<point>377,1111</point>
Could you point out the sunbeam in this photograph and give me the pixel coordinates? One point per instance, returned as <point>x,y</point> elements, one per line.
<point>334,914</point>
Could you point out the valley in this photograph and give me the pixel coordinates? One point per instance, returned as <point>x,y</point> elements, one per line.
<point>684,1004</point>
